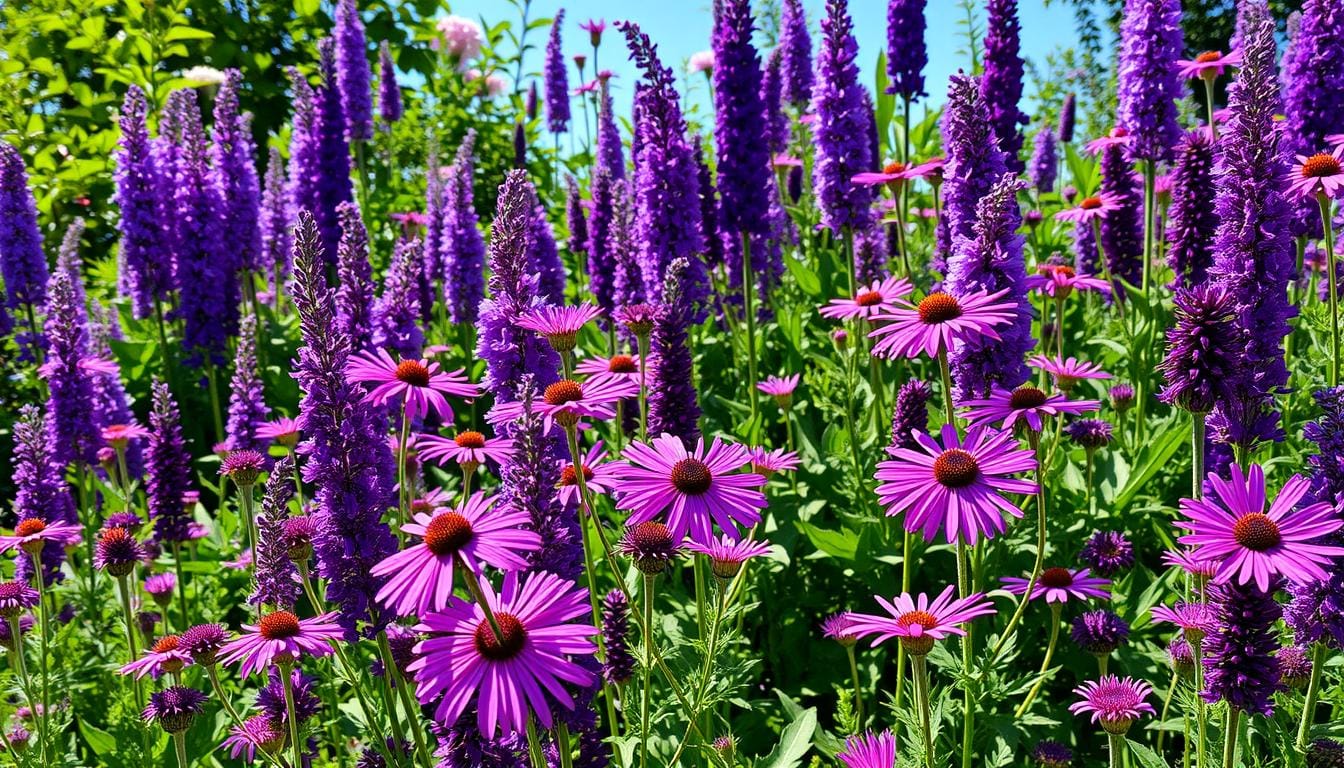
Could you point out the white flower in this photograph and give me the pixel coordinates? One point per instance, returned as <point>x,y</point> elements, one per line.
<point>203,75</point>
<point>701,61</point>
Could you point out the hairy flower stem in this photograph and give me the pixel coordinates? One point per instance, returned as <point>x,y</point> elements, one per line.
<point>1115,749</point>
<point>1034,438</point>
<point>1328,228</point>
<point>1318,656</point>
<point>181,586</point>
<point>851,356</point>
<point>245,501</point>
<point>1149,220</point>
<point>706,668</point>
<point>858,689</point>
<point>921,673</point>
<point>180,747</point>
<point>1197,452</point>
<point>1055,609</point>
<point>749,315</point>
<point>43,627</point>
<point>967,642</point>
<point>1166,707</point>
<point>642,342</point>
<point>948,409</point>
<point>296,749</point>
<point>1201,709</point>
<point>128,617</point>
<point>213,381</point>
<point>407,702</point>
<point>648,665</point>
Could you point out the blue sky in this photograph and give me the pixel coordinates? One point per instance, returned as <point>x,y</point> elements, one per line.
<point>682,27</point>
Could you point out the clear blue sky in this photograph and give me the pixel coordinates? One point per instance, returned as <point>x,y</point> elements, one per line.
<point>682,27</point>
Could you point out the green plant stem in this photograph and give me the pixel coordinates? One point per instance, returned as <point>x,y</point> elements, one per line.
<point>1333,299</point>
<point>246,502</point>
<point>949,410</point>
<point>1208,103</point>
<point>642,342</point>
<point>1115,749</point>
<point>1201,709</point>
<point>706,668</point>
<point>853,433</point>
<point>1034,438</point>
<point>288,682</point>
<point>1230,737</point>
<point>43,627</point>
<point>1313,690</point>
<point>389,702</point>
<point>132,650</point>
<point>648,664</point>
<point>1197,454</point>
<point>1055,609</point>
<point>749,315</point>
<point>967,650</point>
<point>181,586</point>
<point>562,746</point>
<point>1166,707</point>
<point>921,674</point>
<point>180,747</point>
<point>858,689</point>
<point>1149,219</point>
<point>534,749</point>
<point>213,379</point>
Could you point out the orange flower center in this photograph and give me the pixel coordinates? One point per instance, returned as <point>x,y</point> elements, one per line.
<point>1256,532</point>
<point>622,364</point>
<point>413,372</point>
<point>1090,203</point>
<point>165,644</point>
<point>868,299</point>
<point>570,477</point>
<point>29,527</point>
<point>691,477</point>
<point>279,625</point>
<point>1319,166</point>
<point>1208,56</point>
<point>563,391</point>
<point>507,644</point>
<point>956,468</point>
<point>893,167</point>
<point>470,439</point>
<point>922,618</point>
<point>447,533</point>
<point>939,308</point>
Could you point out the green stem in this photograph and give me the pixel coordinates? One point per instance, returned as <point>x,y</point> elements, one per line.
<point>534,750</point>
<point>967,652</point>
<point>181,586</point>
<point>215,411</point>
<point>1230,737</point>
<point>44,716</point>
<point>1197,452</point>
<point>921,671</point>
<point>562,746</point>
<point>648,665</point>
<point>288,683</point>
<point>1201,709</point>
<point>1115,744</point>
<point>128,617</point>
<point>1328,229</point>
<point>642,341</point>
<point>403,493</point>
<point>1034,439</point>
<point>246,501</point>
<point>1149,220</point>
<point>1166,707</point>
<point>949,409</point>
<point>1055,609</point>
<point>858,689</point>
<point>1313,690</point>
<point>180,747</point>
<point>748,293</point>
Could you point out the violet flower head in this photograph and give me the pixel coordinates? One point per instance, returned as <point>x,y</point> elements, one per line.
<point>627,285</point>
<point>1001,82</point>
<point>432,272</point>
<point>352,72</point>
<point>1107,553</point>
<point>575,219</point>
<point>174,708</point>
<point>601,259</point>
<point>1122,228</point>
<point>1192,220</point>
<point>906,51</point>
<point>910,415</point>
<point>709,207</point>
<point>247,402</point>
<point>529,476</point>
<point>1202,350</point>
<point>396,312</point>
<point>274,577</point>
<point>1149,84</point>
<point>673,404</point>
<point>1044,161</point>
<point>776,122</point>
<point>389,92</point>
<point>544,256</point>
<point>22,263</point>
<point>974,161</point>
<point>354,296</point>
<point>557,79</point>
<point>460,242</point>
<point>169,468</point>
<point>1051,754</point>
<point>233,165</point>
<point>795,45</point>
<point>1313,62</point>
<point>740,117</point>
<point>841,127</point>
<point>610,154</point>
<point>1068,117</point>
<point>274,222</point>
<point>331,184</point>
<point>1327,432</point>
<point>40,488</point>
<point>1240,664</point>
<point>619,665</point>
<point>1099,632</point>
<point>146,266</point>
<point>302,172</point>
<point>349,461</point>
<point>70,400</point>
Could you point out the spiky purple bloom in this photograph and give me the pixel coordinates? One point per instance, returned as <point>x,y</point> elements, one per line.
<point>1312,65</point>
<point>169,468</point>
<point>233,169</point>
<point>601,261</point>
<point>330,185</point>
<point>557,79</point>
<point>70,411</point>
<point>1122,228</point>
<point>709,206</point>
<point>993,261</point>
<point>271,696</point>
<point>460,242</point>
<point>1239,663</point>
<point>40,488</point>
<point>432,270</point>
<point>22,263</point>
<point>1044,161</point>
<point>1192,219</point>
<point>910,416</point>
<point>544,257</point>
<point>1099,632</point>
<point>1327,432</point>
<point>354,273</point>
<point>396,312</point>
<point>111,404</point>
<point>71,263</point>
<point>870,254</point>
<point>1052,754</point>
<point>610,155</point>
<point>528,478</point>
<point>174,708</point>
<point>906,51</point>
<point>1091,434</point>
<point>1316,611</point>
<point>673,406</point>
<point>740,120</point>
<point>776,122</point>
<point>795,44</point>
<point>247,397</point>
<point>1107,553</point>
<point>1086,259</point>
<point>349,461</point>
<point>1068,117</point>
<point>1149,85</point>
<point>576,221</point>
<point>274,222</point>
<point>144,255</point>
<point>1001,82</point>
<point>628,284</point>
<point>389,92</point>
<point>1253,252</point>
<point>274,576</point>
<point>619,665</point>
<point>840,133</point>
<point>1202,351</point>
<point>974,161</point>
<point>352,72</point>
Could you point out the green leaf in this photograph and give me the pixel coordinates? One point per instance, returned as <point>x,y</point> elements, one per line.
<point>100,741</point>
<point>1154,457</point>
<point>805,276</point>
<point>794,742</point>
<point>1147,757</point>
<point>843,544</point>
<point>306,7</point>
<point>187,33</point>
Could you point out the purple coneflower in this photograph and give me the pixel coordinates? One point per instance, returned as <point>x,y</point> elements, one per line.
<point>1319,175</point>
<point>420,382</point>
<point>1067,371</point>
<point>1060,585</point>
<point>780,388</point>
<point>32,533</point>
<point>840,628</point>
<point>174,708</point>
<point>955,486</point>
<point>1026,404</point>
<point>258,732</point>
<point>280,637</point>
<point>117,551</point>
<point>1060,280</point>
<point>869,750</point>
<point>1052,754</point>
<point>599,475</point>
<point>566,402</point>
<point>202,642</point>
<point>1114,702</point>
<point>1098,632</point>
<point>469,448</point>
<point>559,324</point>
<point>282,430</point>
<point>651,545</point>
<point>1090,209</point>
<point>164,657</point>
<point>766,462</point>
<point>880,297</point>
<point>726,556</point>
<point>1208,65</point>
<point>917,621</point>
<point>616,366</point>
<point>939,320</point>
<point>1195,620</point>
<point>16,597</point>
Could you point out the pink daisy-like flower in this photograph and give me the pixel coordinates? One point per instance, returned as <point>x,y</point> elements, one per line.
<point>869,750</point>
<point>727,556</point>
<point>1192,562</point>
<point>280,636</point>
<point>878,297</point>
<point>1114,702</point>
<point>955,487</point>
<point>1067,372</point>
<point>1026,404</point>
<point>1058,281</point>
<point>282,430</point>
<point>468,448</point>
<point>695,488</point>
<point>120,435</point>
<point>1059,585</point>
<point>508,673</point>
<point>893,174</point>
<point>776,386</point>
<point>1118,137</point>
<point>419,382</point>
<point>1090,209</point>
<point>840,628</point>
<point>420,577</point>
<point>1195,619</point>
<point>1232,528</point>
<point>258,732</point>
<point>766,463</point>
<point>559,324</point>
<point>930,170</point>
<point>1207,65</point>
<point>567,401</point>
<point>599,475</point>
<point>1317,175</point>
<point>614,367</point>
<point>786,161</point>
<point>164,657</point>
<point>32,533</point>
<point>940,319</point>
<point>917,621</point>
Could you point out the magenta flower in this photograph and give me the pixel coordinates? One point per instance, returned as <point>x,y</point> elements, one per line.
<point>879,297</point>
<point>510,673</point>
<point>955,487</point>
<point>1114,702</point>
<point>1118,137</point>
<point>469,448</point>
<point>419,382</point>
<point>840,628</point>
<point>280,637</point>
<point>283,430</point>
<point>420,577</point>
<point>778,387</point>
<point>694,488</point>
<point>869,750</point>
<point>1320,175</point>
<point>32,533</point>
<point>614,367</point>
<point>16,597</point>
<point>939,320</point>
<point>766,462</point>
<point>258,732</point>
<point>1192,562</point>
<point>121,435</point>
<point>1026,404</point>
<point>559,324</point>
<point>164,657</point>
<point>893,174</point>
<point>1194,619</point>
<point>1058,281</point>
<point>1067,372</point>
<point>1249,545</point>
<point>1059,585</point>
<point>1090,209</point>
<point>917,621</point>
<point>599,475</point>
<point>1209,64</point>
<point>727,556</point>
<point>567,401</point>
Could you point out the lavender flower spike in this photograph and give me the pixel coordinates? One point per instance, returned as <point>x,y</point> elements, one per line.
<point>354,297</point>
<point>1044,161</point>
<point>1192,219</point>
<point>1002,80</point>
<point>1149,86</point>
<point>275,581</point>
<point>144,255</point>
<point>795,63</point>
<point>842,123</point>
<point>396,312</point>
<point>352,72</point>
<point>40,488</point>
<point>22,263</point>
<point>462,246</point>
<point>169,468</point>
<point>674,407</point>
<point>906,51</point>
<point>70,410</point>
<point>557,79</point>
<point>744,158</point>
<point>233,170</point>
<point>247,401</point>
<point>275,239</point>
<point>974,161</point>
<point>389,92</point>
<point>330,185</point>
